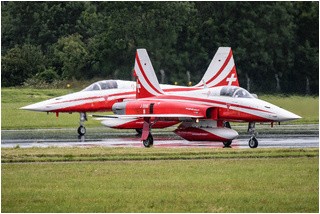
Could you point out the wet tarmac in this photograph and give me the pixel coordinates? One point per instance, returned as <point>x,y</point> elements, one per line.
<point>287,136</point>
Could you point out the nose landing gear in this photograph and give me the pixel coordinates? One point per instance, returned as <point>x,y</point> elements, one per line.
<point>82,129</point>
<point>253,142</point>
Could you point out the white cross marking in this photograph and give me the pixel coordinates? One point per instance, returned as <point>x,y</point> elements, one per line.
<point>231,79</point>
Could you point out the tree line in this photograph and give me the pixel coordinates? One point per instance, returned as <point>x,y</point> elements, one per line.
<point>275,44</point>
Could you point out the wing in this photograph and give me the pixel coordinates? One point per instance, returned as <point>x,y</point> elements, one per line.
<point>134,116</point>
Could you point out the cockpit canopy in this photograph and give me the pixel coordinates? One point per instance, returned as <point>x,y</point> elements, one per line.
<point>102,85</point>
<point>234,91</point>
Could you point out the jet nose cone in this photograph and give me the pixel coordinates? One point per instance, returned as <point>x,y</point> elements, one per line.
<point>288,116</point>
<point>34,107</point>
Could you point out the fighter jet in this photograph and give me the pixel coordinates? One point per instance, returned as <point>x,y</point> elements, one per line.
<point>205,113</point>
<point>102,95</point>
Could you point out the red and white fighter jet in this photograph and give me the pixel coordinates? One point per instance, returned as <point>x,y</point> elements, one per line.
<point>204,113</point>
<point>101,96</point>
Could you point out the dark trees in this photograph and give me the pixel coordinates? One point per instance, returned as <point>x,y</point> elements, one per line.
<point>275,44</point>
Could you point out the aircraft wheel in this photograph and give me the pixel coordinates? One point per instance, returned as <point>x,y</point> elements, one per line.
<point>81,130</point>
<point>149,141</point>
<point>139,131</point>
<point>253,142</point>
<point>227,143</point>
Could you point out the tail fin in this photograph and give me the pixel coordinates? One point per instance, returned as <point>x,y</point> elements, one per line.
<point>221,71</point>
<point>147,82</point>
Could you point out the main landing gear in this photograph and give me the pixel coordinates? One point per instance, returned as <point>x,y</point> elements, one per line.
<point>149,141</point>
<point>253,142</point>
<point>146,135</point>
<point>82,129</point>
<point>227,144</point>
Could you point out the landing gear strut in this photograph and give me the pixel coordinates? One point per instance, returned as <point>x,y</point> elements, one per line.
<point>82,129</point>
<point>253,142</point>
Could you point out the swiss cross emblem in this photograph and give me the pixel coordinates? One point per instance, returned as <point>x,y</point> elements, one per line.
<point>231,79</point>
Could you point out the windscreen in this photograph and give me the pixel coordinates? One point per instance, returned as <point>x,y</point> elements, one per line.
<point>102,85</point>
<point>236,92</point>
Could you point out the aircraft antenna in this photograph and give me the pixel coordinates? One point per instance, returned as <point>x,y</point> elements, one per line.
<point>204,84</point>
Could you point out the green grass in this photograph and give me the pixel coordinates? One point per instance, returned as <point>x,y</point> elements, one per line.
<point>111,154</point>
<point>215,185</point>
<point>13,118</point>
<point>26,95</point>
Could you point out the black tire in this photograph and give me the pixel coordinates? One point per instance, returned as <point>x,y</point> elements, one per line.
<point>148,142</point>
<point>227,143</point>
<point>253,142</point>
<point>81,130</point>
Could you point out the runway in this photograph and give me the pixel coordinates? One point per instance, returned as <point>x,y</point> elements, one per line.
<point>287,136</point>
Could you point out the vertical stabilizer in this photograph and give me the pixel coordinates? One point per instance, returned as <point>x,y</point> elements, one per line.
<point>221,71</point>
<point>147,82</point>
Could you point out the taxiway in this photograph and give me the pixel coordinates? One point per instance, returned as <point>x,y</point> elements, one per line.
<point>288,136</point>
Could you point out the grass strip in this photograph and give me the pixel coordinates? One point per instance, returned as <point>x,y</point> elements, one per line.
<point>255,185</point>
<point>55,154</point>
